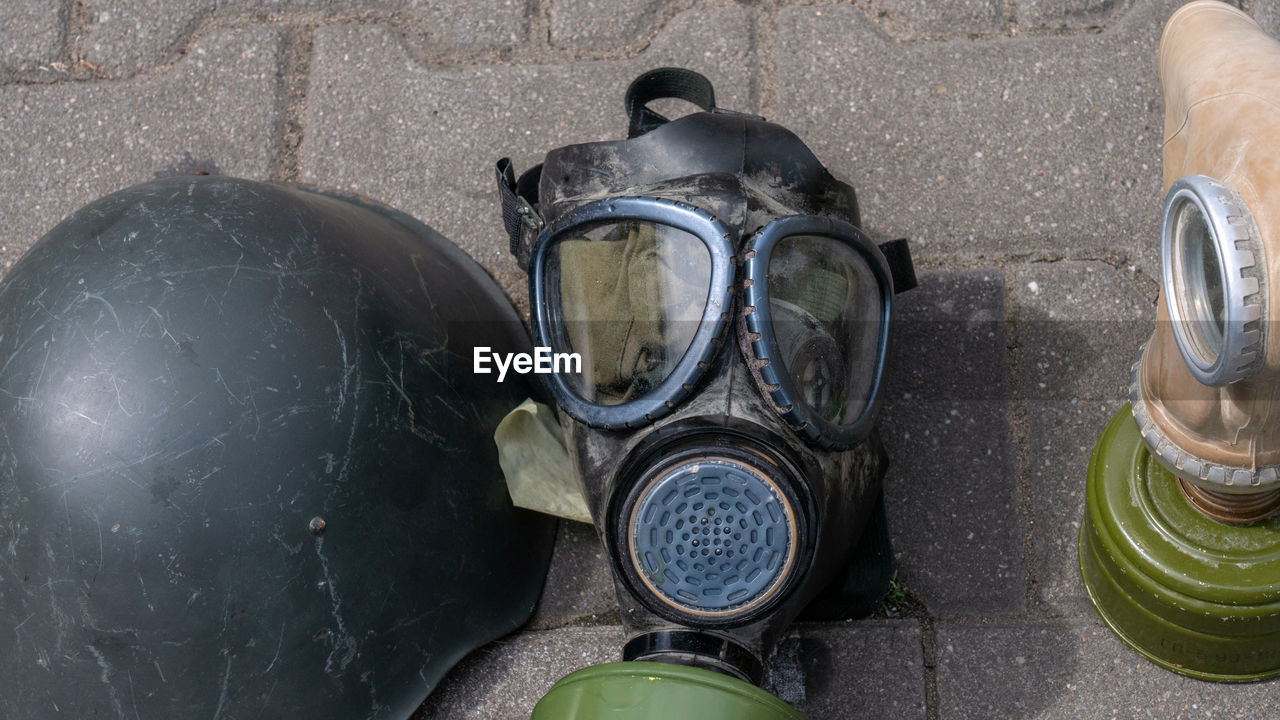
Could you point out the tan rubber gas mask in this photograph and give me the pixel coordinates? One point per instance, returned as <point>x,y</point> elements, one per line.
<point>1205,389</point>
<point>1180,546</point>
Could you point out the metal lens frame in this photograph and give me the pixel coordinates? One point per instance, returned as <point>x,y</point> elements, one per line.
<point>759,322</point>
<point>1188,286</point>
<point>663,398</point>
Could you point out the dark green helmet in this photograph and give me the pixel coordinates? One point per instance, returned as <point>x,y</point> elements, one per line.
<point>246,468</point>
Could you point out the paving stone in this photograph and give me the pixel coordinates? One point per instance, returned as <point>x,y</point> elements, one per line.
<point>626,26</point>
<point>66,144</point>
<point>608,25</point>
<point>423,139</point>
<point>1069,14</point>
<point>951,487</point>
<point>1006,146</point>
<point>579,584</point>
<point>126,36</point>
<point>30,32</point>
<point>911,19</point>
<point>1075,670</point>
<point>871,669</point>
<point>1080,326</point>
<point>505,679</point>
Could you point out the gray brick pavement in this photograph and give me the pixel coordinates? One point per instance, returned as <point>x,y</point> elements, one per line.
<point>606,26</point>
<point>579,587</point>
<point>1078,670</point>
<point>868,669</point>
<point>125,36</point>
<point>951,488</point>
<point>610,27</point>
<point>1073,14</point>
<point>423,138</point>
<point>65,144</point>
<point>997,147</point>
<point>31,32</point>
<point>1079,327</point>
<point>914,19</point>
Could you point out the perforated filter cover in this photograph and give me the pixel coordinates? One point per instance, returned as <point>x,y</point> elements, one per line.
<point>712,537</point>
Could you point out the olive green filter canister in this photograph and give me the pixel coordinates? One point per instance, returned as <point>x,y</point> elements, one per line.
<point>1192,594</point>
<point>657,691</point>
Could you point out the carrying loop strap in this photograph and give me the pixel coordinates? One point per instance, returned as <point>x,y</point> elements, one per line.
<point>661,83</point>
<point>519,208</point>
<point>898,253</point>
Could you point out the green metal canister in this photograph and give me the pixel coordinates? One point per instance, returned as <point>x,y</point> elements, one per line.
<point>1194,595</point>
<point>657,691</point>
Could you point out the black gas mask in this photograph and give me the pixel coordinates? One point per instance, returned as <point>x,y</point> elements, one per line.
<point>731,322</point>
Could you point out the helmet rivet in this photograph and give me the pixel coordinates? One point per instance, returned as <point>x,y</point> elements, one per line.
<point>316,526</point>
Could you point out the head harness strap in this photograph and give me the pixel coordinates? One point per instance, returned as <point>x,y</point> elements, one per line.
<point>677,83</point>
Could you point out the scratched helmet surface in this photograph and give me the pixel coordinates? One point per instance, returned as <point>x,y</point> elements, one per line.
<point>246,469</point>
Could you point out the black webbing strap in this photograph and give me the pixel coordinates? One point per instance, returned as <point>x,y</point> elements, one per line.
<point>519,208</point>
<point>898,253</point>
<point>661,83</point>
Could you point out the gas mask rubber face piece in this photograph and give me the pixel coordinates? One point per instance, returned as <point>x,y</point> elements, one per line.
<point>1180,549</point>
<point>729,484</point>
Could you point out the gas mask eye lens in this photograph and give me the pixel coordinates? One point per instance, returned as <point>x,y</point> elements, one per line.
<point>631,292</point>
<point>1214,280</point>
<point>826,309</point>
<point>1200,276</point>
<point>627,296</point>
<point>816,303</point>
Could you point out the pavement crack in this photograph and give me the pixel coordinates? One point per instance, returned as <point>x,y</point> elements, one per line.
<point>538,23</point>
<point>965,261</point>
<point>1019,434</point>
<point>295,81</point>
<point>762,91</point>
<point>650,25</point>
<point>929,653</point>
<point>1009,11</point>
<point>78,19</point>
